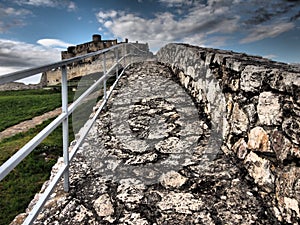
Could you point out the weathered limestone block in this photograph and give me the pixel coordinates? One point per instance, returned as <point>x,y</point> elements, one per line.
<point>209,59</point>
<point>181,77</point>
<point>180,202</point>
<point>288,193</point>
<point>191,71</point>
<point>284,81</point>
<point>262,98</point>
<point>170,145</point>
<point>252,77</point>
<point>233,64</point>
<point>269,109</point>
<point>82,214</point>
<point>259,169</point>
<point>240,148</point>
<point>239,120</point>
<point>250,110</point>
<point>258,140</point>
<point>130,190</point>
<point>133,219</point>
<point>103,205</point>
<point>172,179</point>
<point>291,126</point>
<point>281,145</point>
<point>186,81</point>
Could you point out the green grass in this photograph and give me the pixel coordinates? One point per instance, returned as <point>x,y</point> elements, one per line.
<point>20,186</point>
<point>18,106</point>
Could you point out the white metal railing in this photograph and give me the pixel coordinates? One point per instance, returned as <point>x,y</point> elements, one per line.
<point>11,163</point>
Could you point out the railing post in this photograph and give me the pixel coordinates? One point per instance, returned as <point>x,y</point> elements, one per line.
<point>104,73</point>
<point>117,59</point>
<point>124,54</point>
<point>65,126</point>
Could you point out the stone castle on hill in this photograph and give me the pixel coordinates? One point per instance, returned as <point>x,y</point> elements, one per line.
<point>95,45</point>
<point>89,65</point>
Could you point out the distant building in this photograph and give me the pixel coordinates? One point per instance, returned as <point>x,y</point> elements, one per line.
<point>95,45</point>
<point>86,66</point>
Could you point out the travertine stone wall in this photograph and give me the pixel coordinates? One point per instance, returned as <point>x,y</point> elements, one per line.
<point>93,64</point>
<point>254,108</point>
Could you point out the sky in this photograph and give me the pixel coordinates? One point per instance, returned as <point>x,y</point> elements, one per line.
<point>33,32</point>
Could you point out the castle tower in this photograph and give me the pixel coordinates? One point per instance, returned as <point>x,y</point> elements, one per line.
<point>96,37</point>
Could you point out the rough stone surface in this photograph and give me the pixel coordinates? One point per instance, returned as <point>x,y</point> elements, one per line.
<point>259,169</point>
<point>120,176</point>
<point>103,205</point>
<point>172,179</point>
<point>260,123</point>
<point>245,105</point>
<point>258,140</point>
<point>269,109</point>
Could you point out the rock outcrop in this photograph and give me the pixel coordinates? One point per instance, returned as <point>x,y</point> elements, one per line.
<point>256,104</point>
<point>149,160</point>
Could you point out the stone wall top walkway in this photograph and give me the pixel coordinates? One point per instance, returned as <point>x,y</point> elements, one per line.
<point>146,161</point>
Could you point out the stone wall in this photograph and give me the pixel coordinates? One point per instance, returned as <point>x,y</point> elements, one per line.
<point>95,45</point>
<point>17,86</point>
<point>90,65</point>
<point>254,110</point>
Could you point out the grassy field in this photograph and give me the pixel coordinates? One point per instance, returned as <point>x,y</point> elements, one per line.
<point>18,106</point>
<point>19,187</point>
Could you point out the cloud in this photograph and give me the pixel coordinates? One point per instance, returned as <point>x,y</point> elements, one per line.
<point>176,3</point>
<point>53,43</point>
<point>102,16</point>
<point>11,17</point>
<point>267,31</point>
<point>9,11</point>
<point>19,55</point>
<point>198,22</point>
<point>71,6</point>
<point>270,56</point>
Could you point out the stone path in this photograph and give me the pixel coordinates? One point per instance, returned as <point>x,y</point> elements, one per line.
<point>28,124</point>
<point>147,161</point>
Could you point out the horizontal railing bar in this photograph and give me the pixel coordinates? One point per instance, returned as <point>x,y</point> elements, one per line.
<point>12,162</point>
<point>75,104</point>
<point>90,122</point>
<point>43,199</point>
<point>136,47</point>
<point>10,77</point>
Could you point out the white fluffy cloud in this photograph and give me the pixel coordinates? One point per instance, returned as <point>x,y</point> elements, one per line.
<point>164,27</point>
<point>176,3</point>
<point>48,3</point>
<point>19,55</point>
<point>209,23</point>
<point>54,43</point>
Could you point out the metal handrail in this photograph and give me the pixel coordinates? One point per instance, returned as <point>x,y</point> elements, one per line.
<point>11,163</point>
<point>10,77</point>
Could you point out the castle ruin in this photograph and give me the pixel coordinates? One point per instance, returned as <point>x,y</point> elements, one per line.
<point>89,65</point>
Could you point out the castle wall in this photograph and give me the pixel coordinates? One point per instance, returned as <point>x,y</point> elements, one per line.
<point>254,107</point>
<point>92,64</point>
